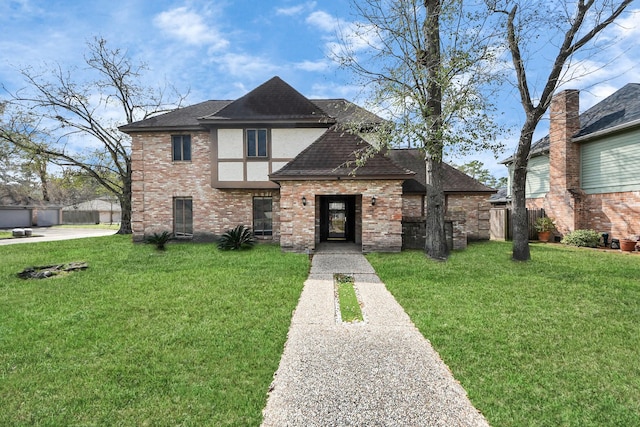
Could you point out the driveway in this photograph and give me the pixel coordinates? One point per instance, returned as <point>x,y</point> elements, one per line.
<point>49,234</point>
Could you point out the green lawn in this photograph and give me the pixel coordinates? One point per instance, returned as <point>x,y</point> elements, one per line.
<point>555,341</point>
<point>190,336</point>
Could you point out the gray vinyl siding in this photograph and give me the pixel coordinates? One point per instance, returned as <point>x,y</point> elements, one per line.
<point>611,165</point>
<point>537,177</point>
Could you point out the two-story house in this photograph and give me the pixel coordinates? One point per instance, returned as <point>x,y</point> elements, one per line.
<point>273,160</point>
<point>584,174</point>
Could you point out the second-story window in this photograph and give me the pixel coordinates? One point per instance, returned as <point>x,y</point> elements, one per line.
<point>181,146</point>
<point>256,143</point>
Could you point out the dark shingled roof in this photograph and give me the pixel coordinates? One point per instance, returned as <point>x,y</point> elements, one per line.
<point>346,112</point>
<point>332,156</point>
<point>181,118</point>
<point>272,100</point>
<point>454,181</point>
<point>619,108</point>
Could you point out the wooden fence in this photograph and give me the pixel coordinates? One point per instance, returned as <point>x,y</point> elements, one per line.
<point>501,223</point>
<point>80,217</point>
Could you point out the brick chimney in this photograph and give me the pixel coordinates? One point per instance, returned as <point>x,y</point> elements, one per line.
<point>564,194</point>
<point>564,155</point>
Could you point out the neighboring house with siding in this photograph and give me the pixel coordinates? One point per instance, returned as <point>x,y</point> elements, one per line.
<point>284,165</point>
<point>585,172</point>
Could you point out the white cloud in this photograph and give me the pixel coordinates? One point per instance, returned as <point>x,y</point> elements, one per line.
<point>296,10</point>
<point>324,21</point>
<point>190,27</point>
<point>245,66</point>
<point>315,66</point>
<point>343,38</point>
<point>335,90</point>
<point>628,26</point>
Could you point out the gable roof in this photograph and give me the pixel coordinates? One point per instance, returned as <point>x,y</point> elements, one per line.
<point>454,181</point>
<point>272,100</point>
<point>617,110</point>
<point>332,157</point>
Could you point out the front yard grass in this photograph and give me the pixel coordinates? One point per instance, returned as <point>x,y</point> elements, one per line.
<point>189,336</point>
<point>551,342</point>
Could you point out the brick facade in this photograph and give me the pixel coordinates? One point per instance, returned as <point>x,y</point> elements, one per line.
<point>378,227</point>
<point>302,162</point>
<point>476,208</point>
<point>157,180</point>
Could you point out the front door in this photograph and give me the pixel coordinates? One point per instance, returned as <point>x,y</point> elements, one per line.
<point>337,220</point>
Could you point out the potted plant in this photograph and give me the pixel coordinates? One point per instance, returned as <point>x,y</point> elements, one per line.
<point>544,226</point>
<point>628,244</point>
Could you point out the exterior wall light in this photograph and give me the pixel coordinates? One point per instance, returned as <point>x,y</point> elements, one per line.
<point>304,201</point>
<point>373,201</point>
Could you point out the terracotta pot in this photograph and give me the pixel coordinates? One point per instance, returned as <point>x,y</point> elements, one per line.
<point>627,245</point>
<point>544,236</point>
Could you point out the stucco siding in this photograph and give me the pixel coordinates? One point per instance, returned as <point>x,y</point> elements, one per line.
<point>230,171</point>
<point>230,144</point>
<point>288,143</point>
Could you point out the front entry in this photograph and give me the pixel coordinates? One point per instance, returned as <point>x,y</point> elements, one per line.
<point>337,218</point>
<point>337,221</point>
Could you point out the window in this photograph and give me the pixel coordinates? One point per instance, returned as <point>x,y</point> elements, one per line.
<point>262,216</point>
<point>181,145</point>
<point>256,143</point>
<point>183,216</point>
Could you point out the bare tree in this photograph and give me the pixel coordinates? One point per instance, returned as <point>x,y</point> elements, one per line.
<point>19,167</point>
<point>66,115</point>
<point>574,30</point>
<point>425,62</point>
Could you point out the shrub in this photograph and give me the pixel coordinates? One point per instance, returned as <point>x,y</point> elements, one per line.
<point>588,238</point>
<point>240,237</point>
<point>545,223</point>
<point>159,239</point>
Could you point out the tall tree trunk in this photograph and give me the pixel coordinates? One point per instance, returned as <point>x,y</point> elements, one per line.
<point>520,248</point>
<point>435,242</point>
<point>44,182</point>
<point>125,202</point>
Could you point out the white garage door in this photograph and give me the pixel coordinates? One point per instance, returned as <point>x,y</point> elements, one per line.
<point>10,218</point>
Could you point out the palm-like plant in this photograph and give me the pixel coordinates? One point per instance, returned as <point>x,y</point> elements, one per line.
<point>159,239</point>
<point>240,237</point>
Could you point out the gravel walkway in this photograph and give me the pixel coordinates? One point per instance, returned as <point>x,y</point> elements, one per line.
<point>381,372</point>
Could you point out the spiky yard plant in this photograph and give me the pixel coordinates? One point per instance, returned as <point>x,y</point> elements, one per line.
<point>159,239</point>
<point>240,237</point>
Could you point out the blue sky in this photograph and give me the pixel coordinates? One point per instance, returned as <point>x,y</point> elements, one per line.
<point>222,49</point>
